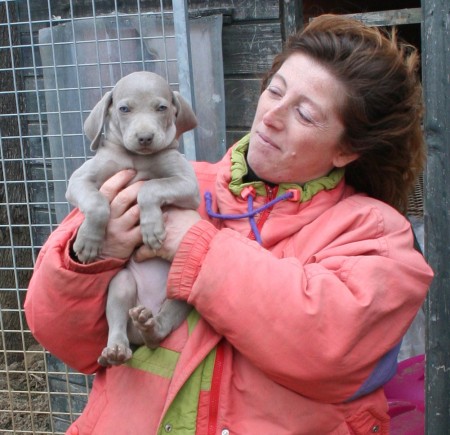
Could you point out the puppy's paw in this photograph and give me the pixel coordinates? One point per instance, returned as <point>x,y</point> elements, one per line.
<point>87,247</point>
<point>142,318</point>
<point>153,234</point>
<point>86,251</point>
<point>114,355</point>
<point>146,324</point>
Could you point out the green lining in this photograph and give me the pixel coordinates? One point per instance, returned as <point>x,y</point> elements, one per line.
<point>192,320</point>
<point>159,361</point>
<point>182,413</point>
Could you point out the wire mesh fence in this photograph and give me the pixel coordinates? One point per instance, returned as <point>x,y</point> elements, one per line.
<point>56,60</point>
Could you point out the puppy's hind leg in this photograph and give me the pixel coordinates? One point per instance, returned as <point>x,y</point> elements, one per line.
<point>155,328</point>
<point>121,297</point>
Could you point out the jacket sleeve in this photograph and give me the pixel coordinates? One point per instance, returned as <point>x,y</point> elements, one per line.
<point>65,301</point>
<point>320,326</point>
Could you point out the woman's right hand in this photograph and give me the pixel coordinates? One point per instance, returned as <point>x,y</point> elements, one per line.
<point>123,233</point>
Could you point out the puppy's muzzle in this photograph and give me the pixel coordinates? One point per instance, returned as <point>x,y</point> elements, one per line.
<point>145,139</point>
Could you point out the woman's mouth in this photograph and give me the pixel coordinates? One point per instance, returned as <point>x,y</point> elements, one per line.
<point>267,141</point>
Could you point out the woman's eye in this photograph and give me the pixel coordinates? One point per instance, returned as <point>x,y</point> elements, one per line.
<point>274,90</point>
<point>124,109</point>
<point>162,108</point>
<point>305,116</point>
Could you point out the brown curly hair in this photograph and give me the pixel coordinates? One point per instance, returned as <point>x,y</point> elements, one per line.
<point>383,108</point>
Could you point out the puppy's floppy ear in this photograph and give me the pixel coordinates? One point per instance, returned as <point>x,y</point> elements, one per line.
<point>185,116</point>
<point>93,125</point>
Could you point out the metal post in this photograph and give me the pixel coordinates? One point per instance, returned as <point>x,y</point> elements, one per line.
<point>185,77</point>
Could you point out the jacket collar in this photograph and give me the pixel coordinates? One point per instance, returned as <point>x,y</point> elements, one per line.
<point>239,170</point>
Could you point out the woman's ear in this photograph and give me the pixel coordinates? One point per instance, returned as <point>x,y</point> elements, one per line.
<point>343,157</point>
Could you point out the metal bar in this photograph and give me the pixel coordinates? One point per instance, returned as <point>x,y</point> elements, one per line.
<point>186,79</point>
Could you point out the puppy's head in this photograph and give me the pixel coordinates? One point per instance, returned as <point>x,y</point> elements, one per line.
<point>142,112</point>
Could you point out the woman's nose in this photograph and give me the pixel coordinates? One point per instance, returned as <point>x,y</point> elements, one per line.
<point>274,116</point>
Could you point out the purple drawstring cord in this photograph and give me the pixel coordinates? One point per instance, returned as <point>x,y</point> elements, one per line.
<point>252,219</point>
<point>250,214</point>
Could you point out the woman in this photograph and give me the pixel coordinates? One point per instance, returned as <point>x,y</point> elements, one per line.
<point>299,307</point>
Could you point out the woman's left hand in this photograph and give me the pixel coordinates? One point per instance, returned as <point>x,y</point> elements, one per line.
<point>177,222</point>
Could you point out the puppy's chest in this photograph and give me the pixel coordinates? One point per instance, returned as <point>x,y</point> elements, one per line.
<point>146,168</point>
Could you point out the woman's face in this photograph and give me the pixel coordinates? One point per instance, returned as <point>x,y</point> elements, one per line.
<point>296,132</point>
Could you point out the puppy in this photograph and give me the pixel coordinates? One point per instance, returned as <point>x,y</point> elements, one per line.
<point>142,119</point>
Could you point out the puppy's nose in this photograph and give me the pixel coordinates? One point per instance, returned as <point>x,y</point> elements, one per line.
<point>145,139</point>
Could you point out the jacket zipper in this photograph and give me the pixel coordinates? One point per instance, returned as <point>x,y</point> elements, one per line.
<point>271,194</point>
<point>215,389</point>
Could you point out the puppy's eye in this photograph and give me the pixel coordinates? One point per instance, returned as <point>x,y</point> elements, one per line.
<point>124,109</point>
<point>162,108</point>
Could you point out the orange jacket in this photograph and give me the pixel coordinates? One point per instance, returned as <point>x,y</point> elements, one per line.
<point>293,337</point>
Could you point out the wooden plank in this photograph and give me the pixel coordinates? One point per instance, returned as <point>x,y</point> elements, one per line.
<point>250,48</point>
<point>241,96</point>
<point>436,73</point>
<point>291,17</point>
<point>242,9</point>
<point>390,18</point>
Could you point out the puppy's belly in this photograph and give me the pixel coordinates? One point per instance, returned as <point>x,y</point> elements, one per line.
<point>151,280</point>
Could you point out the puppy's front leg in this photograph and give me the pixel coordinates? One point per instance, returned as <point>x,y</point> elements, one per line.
<point>89,240</point>
<point>83,193</point>
<point>154,195</point>
<point>174,183</point>
<point>151,219</point>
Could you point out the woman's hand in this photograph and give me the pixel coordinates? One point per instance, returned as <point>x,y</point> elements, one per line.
<point>123,233</point>
<point>177,222</point>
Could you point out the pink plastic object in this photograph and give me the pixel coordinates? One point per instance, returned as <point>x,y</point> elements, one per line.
<point>406,397</point>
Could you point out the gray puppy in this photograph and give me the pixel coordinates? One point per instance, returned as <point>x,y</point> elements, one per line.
<point>142,119</point>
